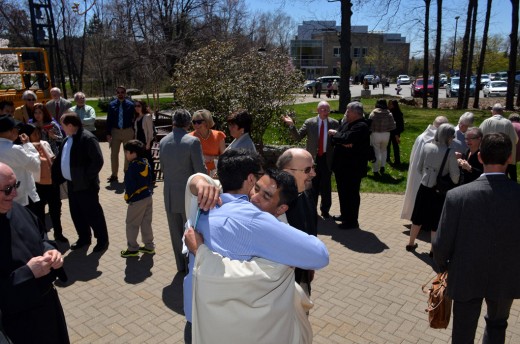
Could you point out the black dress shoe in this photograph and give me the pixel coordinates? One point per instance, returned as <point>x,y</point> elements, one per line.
<point>337,218</point>
<point>100,247</point>
<point>79,244</point>
<point>325,215</point>
<point>60,237</point>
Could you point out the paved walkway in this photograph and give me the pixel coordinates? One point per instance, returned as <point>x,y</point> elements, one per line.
<point>370,292</point>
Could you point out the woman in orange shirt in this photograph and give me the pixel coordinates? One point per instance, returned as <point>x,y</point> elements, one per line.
<point>213,141</point>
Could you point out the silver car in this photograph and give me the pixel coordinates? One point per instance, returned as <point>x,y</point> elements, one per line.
<point>495,88</point>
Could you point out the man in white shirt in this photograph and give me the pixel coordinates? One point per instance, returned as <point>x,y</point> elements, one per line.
<point>23,159</point>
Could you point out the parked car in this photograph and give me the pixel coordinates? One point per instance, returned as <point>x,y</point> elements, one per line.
<point>484,79</point>
<point>308,85</point>
<point>443,79</point>
<point>325,80</point>
<point>404,79</point>
<point>417,88</point>
<point>501,76</point>
<point>369,78</point>
<point>452,87</point>
<point>492,76</point>
<point>495,89</point>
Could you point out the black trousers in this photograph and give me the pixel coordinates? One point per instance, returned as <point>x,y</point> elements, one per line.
<point>86,213</point>
<point>395,146</point>
<point>49,194</point>
<point>349,198</point>
<point>465,320</point>
<point>321,184</point>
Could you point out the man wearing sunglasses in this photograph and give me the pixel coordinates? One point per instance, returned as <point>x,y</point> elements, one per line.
<point>24,159</point>
<point>30,305</point>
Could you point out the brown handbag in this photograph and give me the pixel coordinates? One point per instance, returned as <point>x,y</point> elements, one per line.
<point>439,303</point>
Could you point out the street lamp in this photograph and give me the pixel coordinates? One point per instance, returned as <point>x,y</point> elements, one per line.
<point>454,44</point>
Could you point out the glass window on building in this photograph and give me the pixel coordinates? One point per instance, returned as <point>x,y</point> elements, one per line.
<point>364,52</point>
<point>337,51</point>
<point>357,52</point>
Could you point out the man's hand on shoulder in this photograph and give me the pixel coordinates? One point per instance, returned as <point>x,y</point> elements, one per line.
<point>208,195</point>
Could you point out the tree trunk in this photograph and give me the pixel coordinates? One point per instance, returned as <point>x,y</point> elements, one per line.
<point>346,61</point>
<point>513,53</point>
<point>464,58</point>
<point>436,65</point>
<point>482,58</point>
<point>426,52</point>
<point>469,70</point>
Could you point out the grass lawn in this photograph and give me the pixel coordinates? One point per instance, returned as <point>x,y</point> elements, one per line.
<point>416,121</point>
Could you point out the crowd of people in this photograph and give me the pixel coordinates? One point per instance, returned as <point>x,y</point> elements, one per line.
<point>244,211</point>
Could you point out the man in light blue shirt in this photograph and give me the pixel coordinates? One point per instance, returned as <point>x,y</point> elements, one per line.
<point>239,230</point>
<point>86,113</point>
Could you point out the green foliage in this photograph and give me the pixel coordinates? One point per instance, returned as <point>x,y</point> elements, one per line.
<point>102,104</point>
<point>223,78</point>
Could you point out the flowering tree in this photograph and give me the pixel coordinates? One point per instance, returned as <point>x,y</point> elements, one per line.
<point>8,62</point>
<point>223,78</point>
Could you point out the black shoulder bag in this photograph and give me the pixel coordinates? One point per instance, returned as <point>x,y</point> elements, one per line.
<point>444,183</point>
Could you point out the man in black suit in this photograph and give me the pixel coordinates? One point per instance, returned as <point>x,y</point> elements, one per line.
<point>79,162</point>
<point>478,242</point>
<point>351,143</point>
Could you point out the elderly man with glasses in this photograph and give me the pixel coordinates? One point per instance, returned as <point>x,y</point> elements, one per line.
<point>57,105</point>
<point>30,305</point>
<point>26,112</point>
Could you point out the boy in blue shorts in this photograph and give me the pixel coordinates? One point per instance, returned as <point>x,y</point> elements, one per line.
<point>138,195</point>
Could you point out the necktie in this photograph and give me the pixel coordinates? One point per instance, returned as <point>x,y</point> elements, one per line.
<point>320,144</point>
<point>120,121</point>
<point>57,111</point>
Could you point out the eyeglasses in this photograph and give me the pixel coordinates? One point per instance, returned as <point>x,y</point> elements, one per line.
<point>306,170</point>
<point>137,105</point>
<point>471,138</point>
<point>197,121</point>
<point>259,175</point>
<point>8,189</point>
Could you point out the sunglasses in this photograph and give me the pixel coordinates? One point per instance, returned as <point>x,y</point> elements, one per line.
<point>8,189</point>
<point>197,121</point>
<point>137,105</point>
<point>306,170</point>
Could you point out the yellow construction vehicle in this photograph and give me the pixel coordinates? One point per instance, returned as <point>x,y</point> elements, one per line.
<point>33,69</point>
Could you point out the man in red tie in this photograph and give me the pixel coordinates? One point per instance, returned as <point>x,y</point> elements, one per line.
<point>58,105</point>
<point>319,145</point>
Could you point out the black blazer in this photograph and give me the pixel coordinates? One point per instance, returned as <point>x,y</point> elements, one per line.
<point>478,239</point>
<point>351,160</point>
<point>86,160</point>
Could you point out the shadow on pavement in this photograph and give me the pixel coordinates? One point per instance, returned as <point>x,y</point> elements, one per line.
<point>138,269</point>
<point>172,294</point>
<point>356,240</point>
<point>80,267</point>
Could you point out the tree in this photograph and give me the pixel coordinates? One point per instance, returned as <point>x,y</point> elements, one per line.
<point>426,51</point>
<point>464,58</point>
<point>483,49</point>
<point>436,65</point>
<point>223,78</point>
<point>8,62</point>
<point>513,55</point>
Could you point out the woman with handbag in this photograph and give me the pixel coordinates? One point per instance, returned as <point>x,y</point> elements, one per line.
<point>436,161</point>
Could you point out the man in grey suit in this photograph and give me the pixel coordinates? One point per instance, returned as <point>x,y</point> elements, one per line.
<point>58,105</point>
<point>180,156</point>
<point>314,128</point>
<point>478,242</point>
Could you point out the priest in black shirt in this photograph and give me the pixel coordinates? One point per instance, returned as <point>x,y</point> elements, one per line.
<point>29,264</point>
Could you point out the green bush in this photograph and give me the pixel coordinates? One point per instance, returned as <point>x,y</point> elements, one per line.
<point>103,104</point>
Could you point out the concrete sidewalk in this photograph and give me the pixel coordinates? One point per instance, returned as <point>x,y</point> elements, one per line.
<point>370,292</point>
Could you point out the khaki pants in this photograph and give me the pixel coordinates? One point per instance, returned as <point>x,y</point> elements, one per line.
<point>139,215</point>
<point>119,136</point>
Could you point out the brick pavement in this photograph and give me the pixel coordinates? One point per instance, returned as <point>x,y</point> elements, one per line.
<point>370,292</point>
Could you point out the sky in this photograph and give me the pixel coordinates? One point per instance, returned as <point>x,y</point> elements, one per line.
<point>396,22</point>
